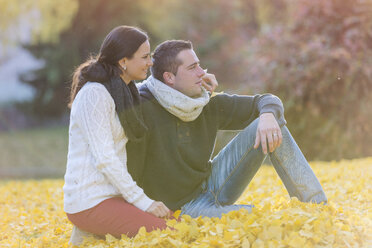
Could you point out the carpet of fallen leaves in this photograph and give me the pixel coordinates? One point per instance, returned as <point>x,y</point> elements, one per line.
<point>32,215</point>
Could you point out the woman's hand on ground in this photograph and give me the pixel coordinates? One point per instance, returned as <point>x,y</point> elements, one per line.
<point>159,210</point>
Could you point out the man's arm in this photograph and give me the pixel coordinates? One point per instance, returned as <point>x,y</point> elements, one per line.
<point>269,107</point>
<point>271,118</point>
<point>269,103</point>
<point>235,112</point>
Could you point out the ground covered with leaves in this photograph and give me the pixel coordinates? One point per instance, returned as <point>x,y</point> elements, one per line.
<point>32,215</point>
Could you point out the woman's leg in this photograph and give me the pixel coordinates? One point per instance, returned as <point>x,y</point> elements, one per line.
<point>115,216</point>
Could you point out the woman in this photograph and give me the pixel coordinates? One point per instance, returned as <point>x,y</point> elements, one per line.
<point>100,196</point>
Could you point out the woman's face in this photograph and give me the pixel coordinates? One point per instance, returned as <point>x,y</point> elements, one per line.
<point>139,64</point>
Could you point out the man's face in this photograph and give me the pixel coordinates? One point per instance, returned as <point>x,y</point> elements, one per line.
<point>189,74</point>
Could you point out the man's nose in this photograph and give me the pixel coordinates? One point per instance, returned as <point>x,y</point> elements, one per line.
<point>201,72</point>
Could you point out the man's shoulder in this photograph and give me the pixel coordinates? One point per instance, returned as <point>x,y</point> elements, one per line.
<point>226,100</point>
<point>222,96</point>
<point>145,93</point>
<point>219,97</point>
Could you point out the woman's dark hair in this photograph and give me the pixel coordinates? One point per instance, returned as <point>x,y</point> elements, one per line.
<point>121,42</point>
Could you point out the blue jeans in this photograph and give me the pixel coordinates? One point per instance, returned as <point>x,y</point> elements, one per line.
<point>236,164</point>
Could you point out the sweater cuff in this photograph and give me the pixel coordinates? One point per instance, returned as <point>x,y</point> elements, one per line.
<point>272,104</point>
<point>143,202</point>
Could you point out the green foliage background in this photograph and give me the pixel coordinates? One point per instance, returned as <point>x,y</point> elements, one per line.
<point>315,55</point>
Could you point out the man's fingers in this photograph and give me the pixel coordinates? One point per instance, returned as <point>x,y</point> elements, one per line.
<point>280,137</point>
<point>277,136</point>
<point>207,86</point>
<point>211,81</point>
<point>271,142</point>
<point>275,140</point>
<point>263,142</point>
<point>257,142</point>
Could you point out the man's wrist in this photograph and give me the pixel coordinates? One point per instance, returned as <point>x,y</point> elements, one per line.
<point>267,114</point>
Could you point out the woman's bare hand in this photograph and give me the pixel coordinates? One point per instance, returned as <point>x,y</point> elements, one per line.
<point>159,210</point>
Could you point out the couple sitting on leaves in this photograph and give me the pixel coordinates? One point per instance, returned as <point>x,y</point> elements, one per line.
<point>138,152</point>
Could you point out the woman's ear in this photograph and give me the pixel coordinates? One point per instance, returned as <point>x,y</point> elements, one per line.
<point>122,63</point>
<point>168,78</point>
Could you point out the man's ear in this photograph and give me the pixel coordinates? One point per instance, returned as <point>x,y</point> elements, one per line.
<point>168,78</point>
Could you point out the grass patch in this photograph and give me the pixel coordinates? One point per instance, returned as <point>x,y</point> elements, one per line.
<point>33,151</point>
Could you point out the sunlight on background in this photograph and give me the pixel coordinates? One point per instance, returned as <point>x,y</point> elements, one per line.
<point>315,55</point>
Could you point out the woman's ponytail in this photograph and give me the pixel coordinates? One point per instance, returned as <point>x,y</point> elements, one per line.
<point>93,70</point>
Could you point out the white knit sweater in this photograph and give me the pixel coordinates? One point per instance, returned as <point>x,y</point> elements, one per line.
<point>96,161</point>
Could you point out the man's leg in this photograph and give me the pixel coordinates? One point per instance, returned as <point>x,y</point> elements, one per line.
<point>234,167</point>
<point>236,163</point>
<point>295,172</point>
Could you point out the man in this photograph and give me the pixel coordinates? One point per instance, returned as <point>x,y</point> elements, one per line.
<point>173,163</point>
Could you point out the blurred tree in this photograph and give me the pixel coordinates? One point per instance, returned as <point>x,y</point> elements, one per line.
<point>322,68</point>
<point>93,20</point>
<point>315,55</point>
<point>219,30</point>
<point>46,19</point>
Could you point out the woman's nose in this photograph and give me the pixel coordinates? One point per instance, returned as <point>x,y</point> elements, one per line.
<point>149,62</point>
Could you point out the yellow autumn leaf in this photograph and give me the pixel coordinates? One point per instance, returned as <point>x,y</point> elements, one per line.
<point>246,243</point>
<point>32,215</point>
<point>176,214</point>
<point>182,227</point>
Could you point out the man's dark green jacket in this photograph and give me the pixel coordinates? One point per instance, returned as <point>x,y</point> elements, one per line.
<point>171,161</point>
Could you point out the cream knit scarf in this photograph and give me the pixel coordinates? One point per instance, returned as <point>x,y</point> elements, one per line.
<point>175,102</point>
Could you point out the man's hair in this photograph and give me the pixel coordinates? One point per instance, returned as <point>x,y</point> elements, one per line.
<point>165,57</point>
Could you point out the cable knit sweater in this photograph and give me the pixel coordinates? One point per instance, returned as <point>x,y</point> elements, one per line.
<point>96,162</point>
